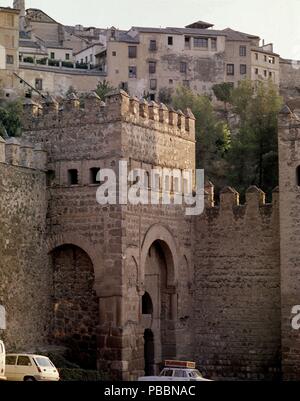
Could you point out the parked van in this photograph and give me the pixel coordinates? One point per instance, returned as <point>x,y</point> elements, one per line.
<point>2,361</point>
<point>27,367</point>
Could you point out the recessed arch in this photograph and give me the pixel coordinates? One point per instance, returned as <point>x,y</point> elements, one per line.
<point>75,304</point>
<point>147,304</point>
<point>161,234</point>
<point>95,253</point>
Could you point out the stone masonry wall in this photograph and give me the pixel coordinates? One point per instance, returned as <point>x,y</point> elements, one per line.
<point>289,78</point>
<point>98,136</point>
<point>237,288</point>
<point>289,162</point>
<point>25,277</point>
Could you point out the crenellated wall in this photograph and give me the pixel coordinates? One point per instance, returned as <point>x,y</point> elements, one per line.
<point>237,287</point>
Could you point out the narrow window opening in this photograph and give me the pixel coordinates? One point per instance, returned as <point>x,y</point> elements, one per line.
<point>94,176</point>
<point>73,177</point>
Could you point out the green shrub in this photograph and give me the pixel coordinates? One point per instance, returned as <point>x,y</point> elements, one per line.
<point>42,61</point>
<point>80,375</point>
<point>82,66</point>
<point>28,60</point>
<point>67,64</point>
<point>53,63</point>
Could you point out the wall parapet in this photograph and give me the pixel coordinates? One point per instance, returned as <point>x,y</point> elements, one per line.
<point>118,106</point>
<point>16,152</point>
<point>230,202</point>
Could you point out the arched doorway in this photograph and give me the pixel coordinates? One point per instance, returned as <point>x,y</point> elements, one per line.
<point>149,353</point>
<point>158,269</point>
<point>76,305</point>
<point>147,305</point>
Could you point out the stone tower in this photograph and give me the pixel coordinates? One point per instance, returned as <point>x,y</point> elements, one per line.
<point>289,168</point>
<point>20,5</point>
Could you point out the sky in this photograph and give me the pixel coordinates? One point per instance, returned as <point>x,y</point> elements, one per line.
<point>276,21</point>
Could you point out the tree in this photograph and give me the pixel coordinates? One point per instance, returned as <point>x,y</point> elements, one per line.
<point>103,88</point>
<point>213,135</point>
<point>253,155</point>
<point>165,95</point>
<point>223,92</point>
<point>10,118</point>
<point>71,90</point>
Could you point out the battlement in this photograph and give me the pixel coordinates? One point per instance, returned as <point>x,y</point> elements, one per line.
<point>19,153</point>
<point>230,202</point>
<point>118,106</point>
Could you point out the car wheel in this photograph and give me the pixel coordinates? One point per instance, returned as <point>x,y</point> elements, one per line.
<point>29,379</point>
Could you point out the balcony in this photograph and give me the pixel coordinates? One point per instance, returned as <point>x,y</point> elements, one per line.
<point>47,64</point>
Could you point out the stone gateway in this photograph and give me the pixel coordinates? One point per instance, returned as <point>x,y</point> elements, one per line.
<point>125,287</point>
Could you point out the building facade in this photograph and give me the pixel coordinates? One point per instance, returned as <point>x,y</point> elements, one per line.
<point>148,61</point>
<point>9,38</point>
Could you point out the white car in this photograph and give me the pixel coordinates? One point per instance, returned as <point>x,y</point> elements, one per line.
<point>2,361</point>
<point>177,371</point>
<point>27,367</point>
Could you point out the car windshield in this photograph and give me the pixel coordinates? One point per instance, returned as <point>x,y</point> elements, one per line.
<point>44,362</point>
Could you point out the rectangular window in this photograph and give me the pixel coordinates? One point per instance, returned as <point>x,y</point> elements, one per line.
<point>132,72</point>
<point>256,56</point>
<point>265,58</point>
<point>114,54</point>
<point>201,42</point>
<point>170,40</point>
<point>52,55</point>
<point>265,73</point>
<point>73,177</point>
<point>9,59</point>
<point>270,74</point>
<point>187,41</point>
<point>183,67</point>
<point>272,60</point>
<point>153,84</point>
<point>132,51</point>
<point>213,44</point>
<point>256,71</point>
<point>124,86</point>
<point>153,45</point>
<point>39,84</point>
<point>152,67</point>
<point>94,176</point>
<point>67,56</point>
<point>24,361</point>
<point>10,360</point>
<point>243,51</point>
<point>243,69</point>
<point>230,69</point>
<point>9,20</point>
